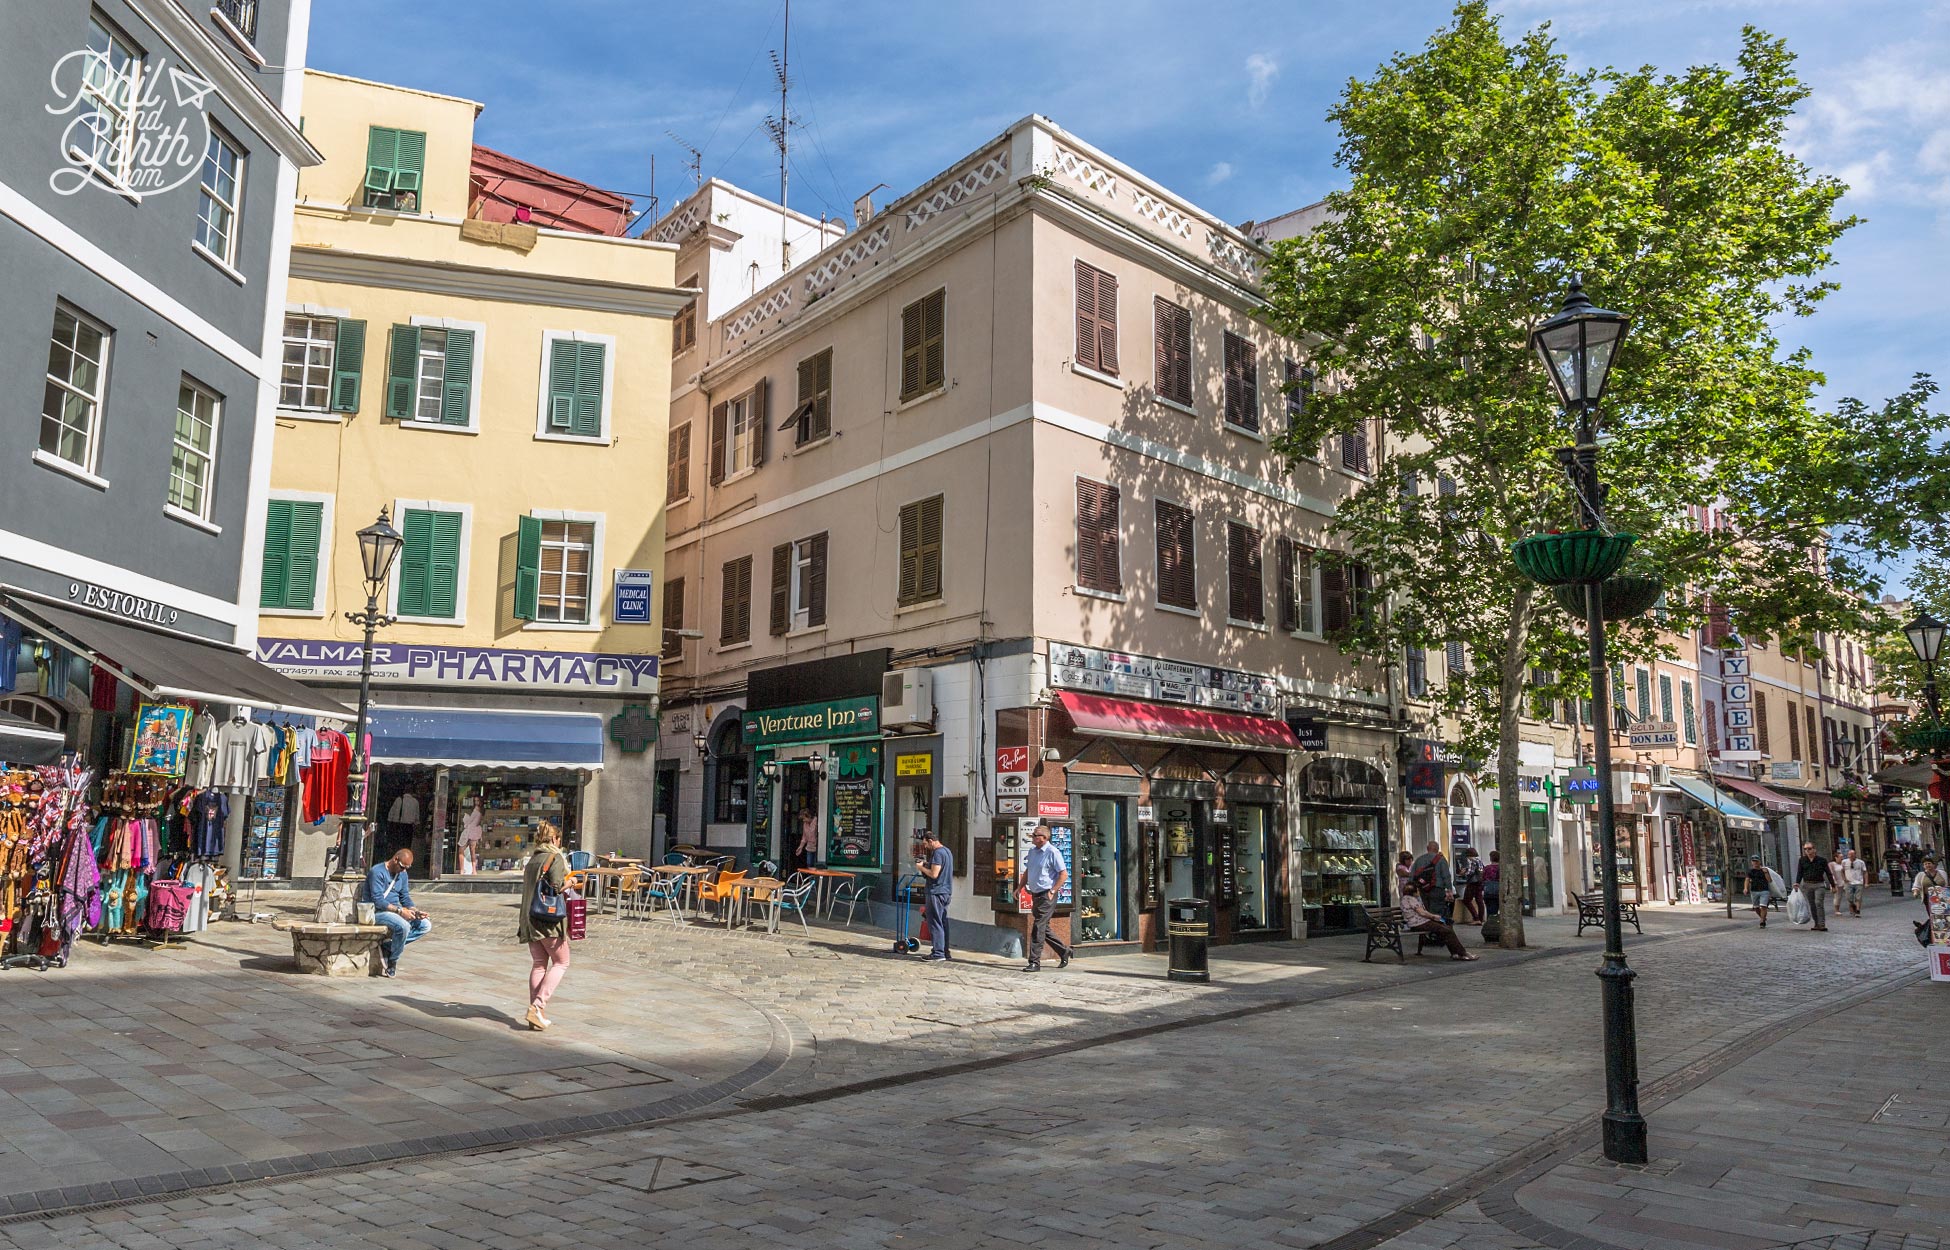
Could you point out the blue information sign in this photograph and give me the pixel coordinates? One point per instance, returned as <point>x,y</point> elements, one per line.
<point>632,597</point>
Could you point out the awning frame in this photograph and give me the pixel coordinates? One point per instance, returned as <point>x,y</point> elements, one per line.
<point>1727,809</point>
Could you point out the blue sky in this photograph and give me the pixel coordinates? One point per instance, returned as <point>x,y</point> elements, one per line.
<point>1222,100</point>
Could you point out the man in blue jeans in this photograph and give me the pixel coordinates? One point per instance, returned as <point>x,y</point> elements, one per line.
<point>937,865</point>
<point>392,905</point>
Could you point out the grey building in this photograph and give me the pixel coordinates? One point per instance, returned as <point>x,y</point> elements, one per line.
<point>147,172</point>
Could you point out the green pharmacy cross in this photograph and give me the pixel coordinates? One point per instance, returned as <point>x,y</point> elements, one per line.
<point>633,729</point>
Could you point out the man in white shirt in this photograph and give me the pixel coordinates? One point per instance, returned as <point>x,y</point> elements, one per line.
<point>1043,873</point>
<point>1855,875</point>
<point>403,819</point>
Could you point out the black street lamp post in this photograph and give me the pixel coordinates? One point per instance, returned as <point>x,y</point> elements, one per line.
<point>1577,346</point>
<point>379,546</point>
<point>1925,635</point>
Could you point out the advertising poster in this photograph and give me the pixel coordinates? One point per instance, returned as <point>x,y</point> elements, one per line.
<point>854,832</point>
<point>162,740</point>
<point>1938,900</point>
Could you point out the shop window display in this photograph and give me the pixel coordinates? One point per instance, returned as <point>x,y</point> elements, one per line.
<point>1256,904</point>
<point>1098,871</point>
<point>1339,866</point>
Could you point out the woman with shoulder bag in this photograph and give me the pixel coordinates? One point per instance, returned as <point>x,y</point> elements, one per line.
<point>544,923</point>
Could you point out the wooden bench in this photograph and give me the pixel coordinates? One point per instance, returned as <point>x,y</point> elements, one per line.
<point>1591,912</point>
<point>337,950</point>
<point>1385,927</point>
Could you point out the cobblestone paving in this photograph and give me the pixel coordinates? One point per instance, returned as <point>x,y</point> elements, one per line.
<point>1313,1100</point>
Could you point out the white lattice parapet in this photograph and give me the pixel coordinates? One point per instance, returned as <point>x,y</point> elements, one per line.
<point>771,306</point>
<point>679,226</point>
<point>1152,208</point>
<point>1228,254</point>
<point>958,188</point>
<point>864,246</point>
<point>1082,169</point>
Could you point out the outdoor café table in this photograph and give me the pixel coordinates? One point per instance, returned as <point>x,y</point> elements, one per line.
<point>683,878</point>
<point>829,881</point>
<point>746,890</point>
<point>618,861</point>
<point>599,879</point>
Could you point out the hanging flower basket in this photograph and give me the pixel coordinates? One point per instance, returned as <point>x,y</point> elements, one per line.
<point>1925,739</point>
<point>1626,596</point>
<point>1567,559</point>
<point>1848,793</point>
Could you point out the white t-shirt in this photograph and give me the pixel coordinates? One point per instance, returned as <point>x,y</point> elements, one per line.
<point>1855,871</point>
<point>405,811</point>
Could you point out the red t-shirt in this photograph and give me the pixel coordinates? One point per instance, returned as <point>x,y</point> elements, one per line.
<point>324,782</point>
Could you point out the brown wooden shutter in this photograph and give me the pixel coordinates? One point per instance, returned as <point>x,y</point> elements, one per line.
<point>930,555</point>
<point>1760,722</point>
<point>1333,596</point>
<point>761,418</point>
<point>673,618</point>
<point>781,588</point>
<point>1172,328</point>
<point>1289,602</point>
<point>1087,338</point>
<point>1107,323</point>
<point>816,582</point>
<point>1813,755</point>
<point>1360,592</point>
<point>1161,349</point>
<point>1177,574</point>
<point>934,340</point>
<point>1794,731</point>
<point>822,417</point>
<point>735,604</point>
<point>808,387</point>
<point>679,484</point>
<point>1242,383</point>
<point>1246,593</point>
<point>1098,561</point>
<point>720,416</point>
<point>1712,725</point>
<point>910,575</point>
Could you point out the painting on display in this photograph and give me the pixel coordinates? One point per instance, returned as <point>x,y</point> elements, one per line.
<point>162,740</point>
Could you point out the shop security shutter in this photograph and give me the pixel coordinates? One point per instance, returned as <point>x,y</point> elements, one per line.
<point>402,370</point>
<point>348,365</point>
<point>528,568</point>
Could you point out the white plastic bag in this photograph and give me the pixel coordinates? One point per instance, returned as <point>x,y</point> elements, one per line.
<point>1776,883</point>
<point>1798,910</point>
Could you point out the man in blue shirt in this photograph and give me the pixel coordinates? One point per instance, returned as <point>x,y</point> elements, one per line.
<point>392,904</point>
<point>938,867</point>
<point>1043,873</point>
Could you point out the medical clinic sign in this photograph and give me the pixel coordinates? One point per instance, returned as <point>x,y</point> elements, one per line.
<point>410,664</point>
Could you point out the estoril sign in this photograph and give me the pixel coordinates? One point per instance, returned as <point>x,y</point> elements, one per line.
<point>813,722</point>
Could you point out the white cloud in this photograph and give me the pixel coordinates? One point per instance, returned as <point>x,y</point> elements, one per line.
<point>1881,124</point>
<point>1261,70</point>
<point>1219,173</point>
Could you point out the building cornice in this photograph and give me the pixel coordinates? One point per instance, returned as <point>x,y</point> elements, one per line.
<point>402,273</point>
<point>198,47</point>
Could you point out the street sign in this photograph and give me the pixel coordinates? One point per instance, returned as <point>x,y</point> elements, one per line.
<point>632,603</point>
<point>1011,805</point>
<point>1059,811</point>
<point>1654,734</point>
<point>1581,784</point>
<point>1012,774</point>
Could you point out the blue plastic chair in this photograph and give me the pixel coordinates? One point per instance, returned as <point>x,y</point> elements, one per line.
<point>579,860</point>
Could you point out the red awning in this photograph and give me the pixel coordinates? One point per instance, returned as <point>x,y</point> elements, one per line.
<point>1128,718</point>
<point>1772,800</point>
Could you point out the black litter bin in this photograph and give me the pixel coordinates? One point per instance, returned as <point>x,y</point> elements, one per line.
<point>1188,923</point>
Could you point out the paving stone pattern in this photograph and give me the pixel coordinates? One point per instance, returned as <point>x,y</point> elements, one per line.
<point>1304,1098</point>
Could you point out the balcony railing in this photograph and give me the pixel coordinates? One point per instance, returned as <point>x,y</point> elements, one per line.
<point>239,13</point>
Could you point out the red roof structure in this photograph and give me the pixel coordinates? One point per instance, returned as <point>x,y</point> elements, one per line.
<point>504,189</point>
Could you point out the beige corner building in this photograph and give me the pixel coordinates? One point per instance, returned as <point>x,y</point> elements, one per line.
<point>973,517</point>
<point>463,355</point>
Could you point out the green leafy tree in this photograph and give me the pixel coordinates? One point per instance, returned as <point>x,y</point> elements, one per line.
<point>1900,676</point>
<point>1482,175</point>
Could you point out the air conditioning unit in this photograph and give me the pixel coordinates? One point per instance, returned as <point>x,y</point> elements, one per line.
<point>907,698</point>
<point>1662,774</point>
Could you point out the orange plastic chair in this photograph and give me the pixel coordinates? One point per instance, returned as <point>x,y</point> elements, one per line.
<point>717,891</point>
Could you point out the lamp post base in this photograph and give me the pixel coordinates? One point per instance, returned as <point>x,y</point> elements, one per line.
<point>338,897</point>
<point>1625,1138</point>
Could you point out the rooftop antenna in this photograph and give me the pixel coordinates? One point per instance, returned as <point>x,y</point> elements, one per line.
<point>696,162</point>
<point>780,128</point>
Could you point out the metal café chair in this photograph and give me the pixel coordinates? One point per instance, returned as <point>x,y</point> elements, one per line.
<point>853,893</point>
<point>792,898</point>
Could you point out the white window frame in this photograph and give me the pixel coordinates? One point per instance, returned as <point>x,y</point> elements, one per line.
<point>319,590</point>
<point>91,103</point>
<point>549,338</point>
<point>225,258</point>
<point>311,313</point>
<point>98,401</point>
<point>598,590</point>
<point>798,618</point>
<point>200,518</point>
<point>1157,571</point>
<point>466,511</point>
<point>473,425</point>
<point>1312,618</point>
<point>1076,536</point>
<point>737,408</point>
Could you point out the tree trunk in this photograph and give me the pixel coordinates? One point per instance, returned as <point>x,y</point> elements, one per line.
<point>1510,813</point>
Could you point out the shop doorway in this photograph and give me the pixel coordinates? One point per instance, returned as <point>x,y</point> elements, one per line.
<point>799,818</point>
<point>1535,839</point>
<point>1258,856</point>
<point>663,807</point>
<point>1104,900</point>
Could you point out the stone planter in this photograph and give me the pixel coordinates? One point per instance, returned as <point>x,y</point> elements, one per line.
<point>1626,596</point>
<point>337,950</point>
<point>1579,556</point>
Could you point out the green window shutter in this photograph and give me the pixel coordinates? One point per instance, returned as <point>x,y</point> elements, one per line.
<point>402,370</point>
<point>588,420</point>
<point>382,157</point>
<point>307,523</point>
<point>458,392</point>
<point>443,566</point>
<point>276,585</point>
<point>415,558</point>
<point>562,360</point>
<point>528,568</point>
<point>410,164</point>
<point>348,366</point>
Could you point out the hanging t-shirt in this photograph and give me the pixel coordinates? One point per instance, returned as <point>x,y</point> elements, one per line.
<point>209,819</point>
<point>203,752</point>
<point>242,748</point>
<point>302,740</point>
<point>325,784</point>
<point>202,878</point>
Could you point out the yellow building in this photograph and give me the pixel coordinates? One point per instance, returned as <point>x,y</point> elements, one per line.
<point>500,389</point>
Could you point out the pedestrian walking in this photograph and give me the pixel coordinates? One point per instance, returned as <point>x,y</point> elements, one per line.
<point>1811,877</point>
<point>544,922</point>
<point>1043,874</point>
<point>1493,882</point>
<point>1835,885</point>
<point>1855,878</point>
<point>938,866</point>
<point>1760,889</point>
<point>1433,880</point>
<point>1419,918</point>
<point>1472,879</point>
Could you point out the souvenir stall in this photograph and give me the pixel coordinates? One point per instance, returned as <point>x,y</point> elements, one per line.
<point>129,836</point>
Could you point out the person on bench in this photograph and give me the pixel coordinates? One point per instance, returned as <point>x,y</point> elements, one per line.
<point>1419,919</point>
<point>392,906</point>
